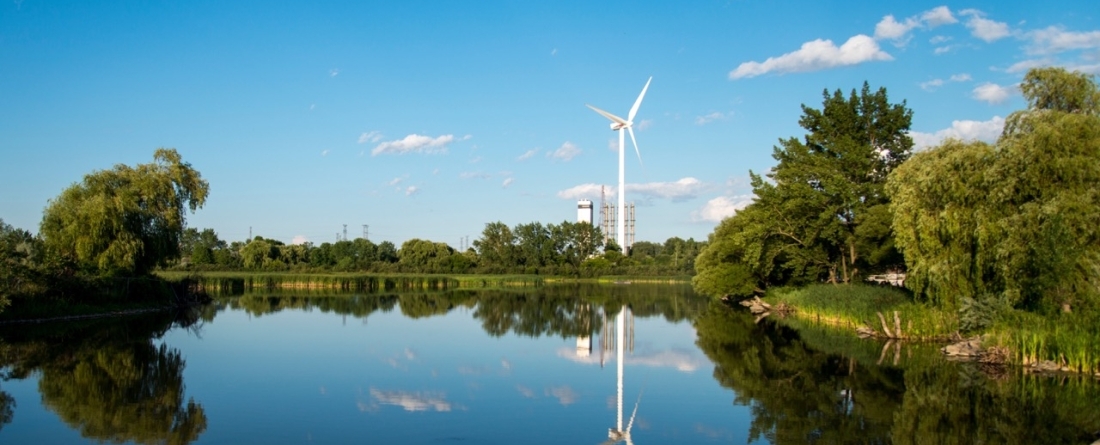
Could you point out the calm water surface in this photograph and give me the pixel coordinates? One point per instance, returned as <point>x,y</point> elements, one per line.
<point>516,366</point>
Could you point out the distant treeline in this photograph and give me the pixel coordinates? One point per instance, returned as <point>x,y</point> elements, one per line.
<point>565,249</point>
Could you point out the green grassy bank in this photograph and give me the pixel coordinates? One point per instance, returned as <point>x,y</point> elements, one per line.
<point>1069,340</point>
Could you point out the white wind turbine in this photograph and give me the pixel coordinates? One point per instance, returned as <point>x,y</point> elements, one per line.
<point>618,124</point>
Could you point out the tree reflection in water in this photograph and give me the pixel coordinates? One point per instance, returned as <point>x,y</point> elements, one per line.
<point>107,379</point>
<point>799,394</point>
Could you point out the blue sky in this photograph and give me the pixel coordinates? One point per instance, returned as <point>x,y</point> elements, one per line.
<point>429,119</point>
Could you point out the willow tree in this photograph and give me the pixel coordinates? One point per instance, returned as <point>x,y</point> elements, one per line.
<point>1014,224</point>
<point>126,220</point>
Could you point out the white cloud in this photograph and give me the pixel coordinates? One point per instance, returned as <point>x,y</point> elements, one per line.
<point>721,208</point>
<point>816,55</point>
<point>476,159</point>
<point>943,49</point>
<point>965,130</point>
<point>412,401</point>
<point>937,16</point>
<point>412,190</point>
<point>644,124</point>
<point>333,72</point>
<point>939,39</point>
<point>372,137</point>
<point>992,93</point>
<point>706,119</point>
<point>324,152</point>
<point>299,239</point>
<point>528,154</point>
<point>931,85</point>
<point>554,52</point>
<point>566,152</point>
<point>414,143</point>
<point>393,182</point>
<point>1056,39</point>
<point>1025,65</point>
<point>584,191</point>
<point>890,28</point>
<point>507,182</point>
<point>681,190</point>
<point>983,28</point>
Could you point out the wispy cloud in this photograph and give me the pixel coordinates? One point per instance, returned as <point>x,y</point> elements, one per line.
<point>528,154</point>
<point>708,118</point>
<point>414,143</point>
<point>681,190</point>
<point>566,152</point>
<point>937,16</point>
<point>965,130</point>
<point>299,239</point>
<point>983,28</point>
<point>371,136</point>
<point>682,360</point>
<point>525,391</point>
<point>324,152</point>
<point>554,52</point>
<point>933,84</point>
<point>412,190</point>
<point>721,208</point>
<point>565,394</point>
<point>393,182</point>
<point>412,401</point>
<point>334,72</point>
<point>507,182</point>
<point>816,55</point>
<point>1055,39</point>
<point>992,93</point>
<point>645,124</point>
<point>583,191</point>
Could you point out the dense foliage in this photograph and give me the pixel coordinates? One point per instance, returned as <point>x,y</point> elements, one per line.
<point>988,227</point>
<point>822,213</point>
<point>126,220</point>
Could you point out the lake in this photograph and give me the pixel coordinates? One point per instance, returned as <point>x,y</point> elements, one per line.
<point>555,364</point>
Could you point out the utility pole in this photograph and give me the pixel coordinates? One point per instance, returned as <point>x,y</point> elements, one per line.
<point>365,231</point>
<point>250,233</point>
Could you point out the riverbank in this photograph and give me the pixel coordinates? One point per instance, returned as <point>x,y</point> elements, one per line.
<point>96,297</point>
<point>1062,342</point>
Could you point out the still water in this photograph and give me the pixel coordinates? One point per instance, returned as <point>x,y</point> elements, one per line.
<point>537,365</point>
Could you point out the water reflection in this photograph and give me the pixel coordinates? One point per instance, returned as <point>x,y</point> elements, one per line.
<point>504,362</point>
<point>106,379</point>
<point>801,392</point>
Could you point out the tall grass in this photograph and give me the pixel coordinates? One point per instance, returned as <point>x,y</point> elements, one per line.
<point>1069,340</point>
<point>853,305</point>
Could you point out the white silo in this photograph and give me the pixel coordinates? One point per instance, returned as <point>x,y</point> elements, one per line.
<point>584,211</point>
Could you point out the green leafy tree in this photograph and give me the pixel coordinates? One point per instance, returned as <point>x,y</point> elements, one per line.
<point>1015,224</point>
<point>822,212</point>
<point>497,245</point>
<point>126,220</point>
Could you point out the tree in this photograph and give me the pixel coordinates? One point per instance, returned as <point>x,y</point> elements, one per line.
<point>821,213</point>
<point>497,245</point>
<point>1013,224</point>
<point>125,220</point>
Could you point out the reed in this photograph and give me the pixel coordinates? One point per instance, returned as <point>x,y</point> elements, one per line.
<point>854,305</point>
<point>1068,340</point>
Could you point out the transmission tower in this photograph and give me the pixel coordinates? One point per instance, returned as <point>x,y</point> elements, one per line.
<point>345,232</point>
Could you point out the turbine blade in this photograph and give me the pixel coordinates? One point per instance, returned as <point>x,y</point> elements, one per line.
<point>613,117</point>
<point>635,141</point>
<point>638,103</point>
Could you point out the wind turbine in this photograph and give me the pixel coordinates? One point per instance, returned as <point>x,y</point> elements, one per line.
<point>618,124</point>
<point>618,434</point>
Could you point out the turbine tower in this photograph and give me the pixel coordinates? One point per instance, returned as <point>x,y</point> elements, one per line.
<point>618,124</point>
